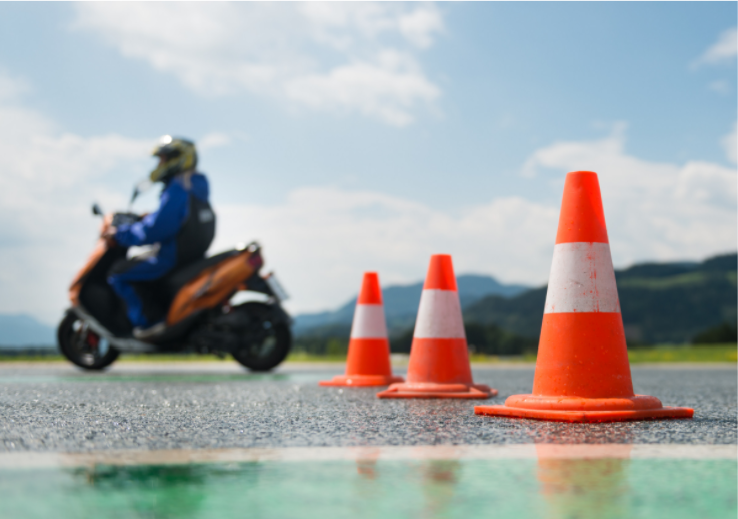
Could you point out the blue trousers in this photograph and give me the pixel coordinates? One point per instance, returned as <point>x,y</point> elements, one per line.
<point>133,271</point>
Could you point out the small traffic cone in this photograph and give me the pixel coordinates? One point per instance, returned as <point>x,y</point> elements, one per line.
<point>439,360</point>
<point>368,362</point>
<point>582,371</point>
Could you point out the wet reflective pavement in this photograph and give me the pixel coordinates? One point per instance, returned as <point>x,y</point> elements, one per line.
<point>520,488</point>
<point>220,406</point>
<point>214,441</point>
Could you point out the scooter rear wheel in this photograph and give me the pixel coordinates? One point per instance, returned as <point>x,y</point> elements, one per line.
<point>271,347</point>
<point>83,347</point>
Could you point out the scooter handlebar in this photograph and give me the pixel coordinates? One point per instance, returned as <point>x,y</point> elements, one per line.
<point>115,220</point>
<point>119,219</point>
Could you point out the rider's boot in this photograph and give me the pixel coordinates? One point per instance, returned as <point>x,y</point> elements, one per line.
<point>147,333</point>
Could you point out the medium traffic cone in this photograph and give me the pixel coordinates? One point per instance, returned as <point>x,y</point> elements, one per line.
<point>582,371</point>
<point>368,362</point>
<point>439,361</point>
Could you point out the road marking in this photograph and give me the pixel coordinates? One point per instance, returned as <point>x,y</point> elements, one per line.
<point>17,460</point>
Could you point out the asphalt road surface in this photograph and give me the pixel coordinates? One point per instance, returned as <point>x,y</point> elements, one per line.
<point>57,408</point>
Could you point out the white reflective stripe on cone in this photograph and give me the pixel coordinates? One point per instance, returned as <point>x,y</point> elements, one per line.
<point>369,322</point>
<point>439,315</point>
<point>582,279</point>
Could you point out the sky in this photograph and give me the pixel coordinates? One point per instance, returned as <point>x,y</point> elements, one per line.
<point>347,137</point>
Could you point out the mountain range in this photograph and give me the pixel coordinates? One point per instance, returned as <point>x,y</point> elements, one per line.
<point>401,305</point>
<point>24,330</point>
<point>660,302</point>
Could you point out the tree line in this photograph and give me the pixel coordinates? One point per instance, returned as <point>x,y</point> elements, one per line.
<point>486,339</point>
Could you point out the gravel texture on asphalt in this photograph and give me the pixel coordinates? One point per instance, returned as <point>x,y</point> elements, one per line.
<point>65,410</point>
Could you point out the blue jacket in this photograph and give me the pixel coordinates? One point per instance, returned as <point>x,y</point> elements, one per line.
<point>163,225</point>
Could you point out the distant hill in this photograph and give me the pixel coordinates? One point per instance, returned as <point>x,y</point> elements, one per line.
<point>401,305</point>
<point>660,302</point>
<point>24,330</point>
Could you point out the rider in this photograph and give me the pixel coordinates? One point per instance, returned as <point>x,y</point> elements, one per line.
<point>180,230</point>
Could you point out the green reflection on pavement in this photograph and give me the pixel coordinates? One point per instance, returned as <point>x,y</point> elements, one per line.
<point>166,377</point>
<point>515,488</point>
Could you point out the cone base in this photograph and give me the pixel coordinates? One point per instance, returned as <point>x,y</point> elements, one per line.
<point>573,403</point>
<point>361,380</point>
<point>431,390</point>
<point>585,410</point>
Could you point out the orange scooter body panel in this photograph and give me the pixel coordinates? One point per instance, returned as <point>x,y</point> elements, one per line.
<point>100,249</point>
<point>213,285</point>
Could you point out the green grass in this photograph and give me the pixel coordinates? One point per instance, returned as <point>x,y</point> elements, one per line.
<point>691,353</point>
<point>133,358</point>
<point>667,353</point>
<point>122,358</point>
<point>31,358</point>
<point>664,353</point>
<point>301,356</point>
<point>487,359</point>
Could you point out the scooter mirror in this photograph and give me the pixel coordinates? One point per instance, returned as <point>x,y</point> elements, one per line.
<point>96,210</point>
<point>138,189</point>
<point>134,196</point>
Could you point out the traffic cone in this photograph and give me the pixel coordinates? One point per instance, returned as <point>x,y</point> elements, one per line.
<point>439,361</point>
<point>582,371</point>
<point>368,362</point>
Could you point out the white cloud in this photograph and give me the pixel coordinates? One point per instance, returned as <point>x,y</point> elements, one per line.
<point>658,211</point>
<point>48,180</point>
<point>386,89</point>
<point>730,143</point>
<point>720,86</point>
<point>655,211</point>
<point>11,87</point>
<point>325,56</point>
<point>320,240</point>
<point>723,50</point>
<point>419,26</point>
<point>339,23</point>
<point>213,140</point>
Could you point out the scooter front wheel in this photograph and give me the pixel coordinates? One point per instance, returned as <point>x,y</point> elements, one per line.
<point>83,347</point>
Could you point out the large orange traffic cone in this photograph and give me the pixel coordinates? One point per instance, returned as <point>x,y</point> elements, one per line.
<point>368,362</point>
<point>582,371</point>
<point>439,361</point>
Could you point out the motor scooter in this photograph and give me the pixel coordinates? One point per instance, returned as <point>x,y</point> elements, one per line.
<point>193,300</point>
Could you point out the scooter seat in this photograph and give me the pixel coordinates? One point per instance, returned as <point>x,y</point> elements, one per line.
<point>179,277</point>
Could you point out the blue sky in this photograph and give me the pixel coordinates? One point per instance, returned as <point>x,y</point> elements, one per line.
<point>348,137</point>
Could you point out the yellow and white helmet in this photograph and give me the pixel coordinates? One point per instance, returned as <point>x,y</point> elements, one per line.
<point>177,155</point>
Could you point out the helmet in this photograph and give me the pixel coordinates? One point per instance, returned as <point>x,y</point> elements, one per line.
<point>177,155</point>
